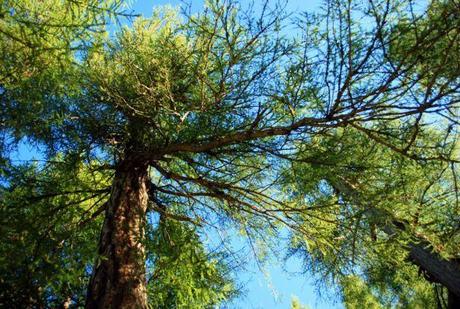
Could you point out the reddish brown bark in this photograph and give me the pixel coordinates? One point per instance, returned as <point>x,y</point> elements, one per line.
<point>118,279</point>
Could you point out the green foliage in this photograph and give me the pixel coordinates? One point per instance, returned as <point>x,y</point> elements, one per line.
<point>411,292</point>
<point>166,78</point>
<point>295,304</point>
<point>40,50</point>
<point>357,295</point>
<point>354,194</point>
<point>47,243</point>
<point>38,37</point>
<point>345,135</point>
<point>183,274</point>
<point>430,56</point>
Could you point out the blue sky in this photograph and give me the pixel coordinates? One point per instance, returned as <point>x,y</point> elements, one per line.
<point>274,287</point>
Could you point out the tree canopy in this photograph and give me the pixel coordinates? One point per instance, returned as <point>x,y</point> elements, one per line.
<point>339,127</point>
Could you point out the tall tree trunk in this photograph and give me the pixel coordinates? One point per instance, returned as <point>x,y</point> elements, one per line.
<point>436,268</point>
<point>118,280</point>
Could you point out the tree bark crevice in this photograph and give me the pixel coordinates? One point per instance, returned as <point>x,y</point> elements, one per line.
<point>118,279</point>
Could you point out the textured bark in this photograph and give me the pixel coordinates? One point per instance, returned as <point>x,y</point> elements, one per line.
<point>118,279</point>
<point>436,268</point>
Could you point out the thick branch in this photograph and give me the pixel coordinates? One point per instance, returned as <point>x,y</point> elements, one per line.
<point>438,270</point>
<point>240,137</point>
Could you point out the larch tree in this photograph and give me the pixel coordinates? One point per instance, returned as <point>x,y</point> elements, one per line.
<point>49,231</point>
<point>390,221</point>
<point>220,120</point>
<point>390,214</point>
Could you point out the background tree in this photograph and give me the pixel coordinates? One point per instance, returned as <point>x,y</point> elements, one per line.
<point>420,44</point>
<point>377,218</point>
<point>47,244</point>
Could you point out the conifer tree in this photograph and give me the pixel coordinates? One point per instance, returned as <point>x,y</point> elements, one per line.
<point>201,119</point>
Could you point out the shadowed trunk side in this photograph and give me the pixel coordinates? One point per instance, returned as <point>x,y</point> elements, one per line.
<point>437,269</point>
<point>118,280</point>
